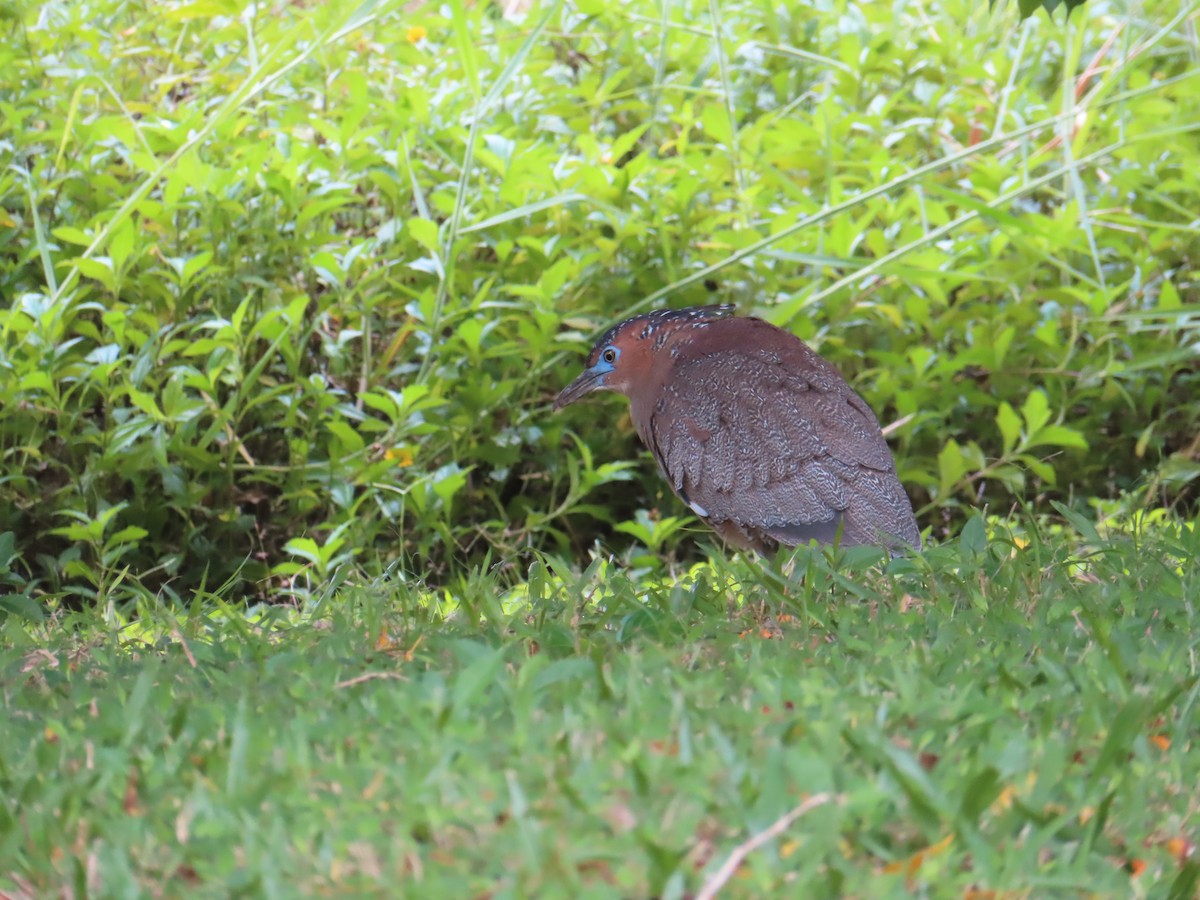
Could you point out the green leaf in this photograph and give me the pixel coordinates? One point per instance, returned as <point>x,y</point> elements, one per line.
<point>474,680</point>
<point>623,144</point>
<point>194,265</point>
<point>314,209</point>
<point>1057,436</point>
<point>927,800</point>
<point>571,669</point>
<point>8,550</point>
<point>350,439</point>
<point>1041,469</point>
<point>465,43</point>
<point>1010,426</point>
<point>425,233</point>
<point>979,794</point>
<point>1083,525</point>
<point>21,606</point>
<point>71,235</point>
<point>121,244</point>
<point>128,535</point>
<point>99,269</point>
<point>1122,732</point>
<point>448,481</point>
<point>146,403</point>
<point>1035,411</point>
<point>523,211</point>
<point>306,548</point>
<point>951,466</point>
<point>1028,225</point>
<point>1186,882</point>
<point>973,538</point>
<point>716,124</point>
<point>1168,296</point>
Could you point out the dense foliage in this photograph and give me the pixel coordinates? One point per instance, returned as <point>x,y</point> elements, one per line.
<point>290,287</point>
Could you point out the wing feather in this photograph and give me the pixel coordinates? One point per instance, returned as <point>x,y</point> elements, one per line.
<point>775,450</point>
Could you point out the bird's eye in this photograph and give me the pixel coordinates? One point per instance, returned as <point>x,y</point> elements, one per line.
<point>609,355</point>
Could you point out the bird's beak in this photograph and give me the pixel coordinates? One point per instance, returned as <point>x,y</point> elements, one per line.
<point>588,381</point>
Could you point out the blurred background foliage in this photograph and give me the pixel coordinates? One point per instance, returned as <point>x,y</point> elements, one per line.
<point>290,286</point>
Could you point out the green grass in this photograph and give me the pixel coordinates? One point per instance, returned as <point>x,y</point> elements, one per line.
<point>1002,715</point>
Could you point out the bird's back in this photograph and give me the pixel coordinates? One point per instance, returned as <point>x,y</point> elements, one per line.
<point>766,441</point>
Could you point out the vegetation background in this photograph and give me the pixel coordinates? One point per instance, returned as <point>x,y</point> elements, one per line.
<point>305,589</point>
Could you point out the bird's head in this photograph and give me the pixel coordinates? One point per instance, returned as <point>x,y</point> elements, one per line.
<point>626,351</point>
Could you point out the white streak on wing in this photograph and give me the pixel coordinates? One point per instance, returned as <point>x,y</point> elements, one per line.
<point>699,510</point>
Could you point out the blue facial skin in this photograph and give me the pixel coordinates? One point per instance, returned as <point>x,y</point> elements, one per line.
<point>607,362</point>
<point>591,379</point>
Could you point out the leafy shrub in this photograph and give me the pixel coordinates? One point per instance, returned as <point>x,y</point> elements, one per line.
<point>290,290</point>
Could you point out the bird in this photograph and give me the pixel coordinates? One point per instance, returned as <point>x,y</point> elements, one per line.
<point>761,437</point>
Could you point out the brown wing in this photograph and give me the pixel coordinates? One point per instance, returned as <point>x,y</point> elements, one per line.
<point>778,448</point>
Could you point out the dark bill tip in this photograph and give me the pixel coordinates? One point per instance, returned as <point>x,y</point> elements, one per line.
<point>587,382</point>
